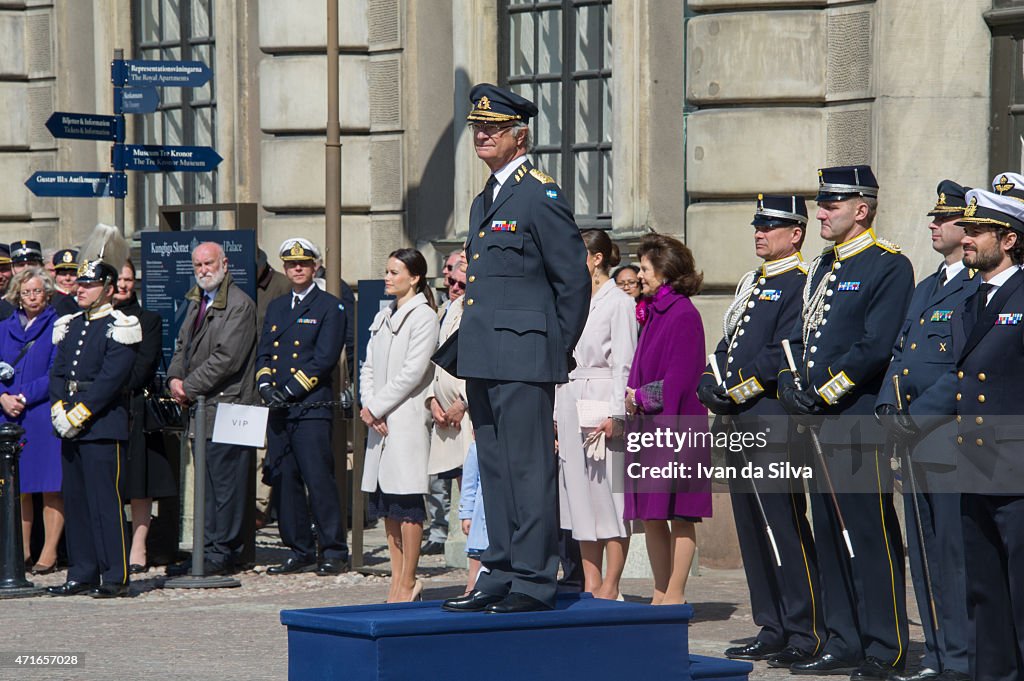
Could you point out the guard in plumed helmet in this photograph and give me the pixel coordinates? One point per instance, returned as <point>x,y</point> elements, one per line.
<point>922,355</point>
<point>854,303</point>
<point>766,306</point>
<point>983,390</point>
<point>95,355</point>
<point>300,345</point>
<point>65,268</point>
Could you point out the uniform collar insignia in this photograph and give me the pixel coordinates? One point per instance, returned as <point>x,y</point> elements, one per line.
<point>855,245</point>
<point>774,268</point>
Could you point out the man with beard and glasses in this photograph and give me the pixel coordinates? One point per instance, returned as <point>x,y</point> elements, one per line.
<point>214,356</point>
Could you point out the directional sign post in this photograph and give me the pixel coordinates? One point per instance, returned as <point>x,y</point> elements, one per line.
<point>155,158</point>
<point>62,124</point>
<point>78,184</point>
<point>136,100</point>
<point>152,73</point>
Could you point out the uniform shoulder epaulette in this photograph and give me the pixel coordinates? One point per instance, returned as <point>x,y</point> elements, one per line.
<point>887,245</point>
<point>126,329</point>
<point>542,177</point>
<point>60,327</point>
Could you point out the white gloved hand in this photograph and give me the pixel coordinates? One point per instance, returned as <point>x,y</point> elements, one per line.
<point>61,424</point>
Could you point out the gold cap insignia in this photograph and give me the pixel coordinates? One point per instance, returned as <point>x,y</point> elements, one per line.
<point>1004,185</point>
<point>760,197</point>
<point>297,249</point>
<point>942,199</point>
<point>67,257</point>
<point>484,104</point>
<point>821,177</point>
<point>972,207</point>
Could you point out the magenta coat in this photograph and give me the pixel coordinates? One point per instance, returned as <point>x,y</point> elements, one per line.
<point>671,349</point>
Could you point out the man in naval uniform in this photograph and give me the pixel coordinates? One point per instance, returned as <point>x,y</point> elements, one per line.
<point>922,355</point>
<point>95,355</point>
<point>301,343</point>
<point>526,302</point>
<point>984,391</point>
<point>854,302</point>
<point>766,306</point>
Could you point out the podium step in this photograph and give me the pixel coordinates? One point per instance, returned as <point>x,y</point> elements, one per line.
<point>583,637</point>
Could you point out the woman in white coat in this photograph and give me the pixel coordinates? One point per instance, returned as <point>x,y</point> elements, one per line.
<point>589,412</point>
<point>394,384</point>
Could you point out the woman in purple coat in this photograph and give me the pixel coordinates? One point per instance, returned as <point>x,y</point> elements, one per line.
<point>662,387</point>
<point>26,354</point>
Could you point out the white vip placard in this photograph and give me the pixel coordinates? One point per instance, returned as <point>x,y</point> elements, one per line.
<point>240,424</point>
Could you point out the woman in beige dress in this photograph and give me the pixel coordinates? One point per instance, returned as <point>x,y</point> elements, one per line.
<point>590,453</point>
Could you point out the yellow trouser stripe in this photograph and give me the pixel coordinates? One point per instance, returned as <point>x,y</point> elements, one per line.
<point>810,582</point>
<point>892,572</point>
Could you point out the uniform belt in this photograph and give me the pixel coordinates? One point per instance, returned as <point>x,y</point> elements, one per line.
<point>77,386</point>
<point>590,372</point>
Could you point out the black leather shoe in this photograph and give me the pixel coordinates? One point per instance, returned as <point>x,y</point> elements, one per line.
<point>432,548</point>
<point>785,658</point>
<point>331,567</point>
<point>752,651</point>
<point>920,675</point>
<point>826,664</point>
<point>292,566</point>
<point>515,602</point>
<point>474,601</point>
<point>873,668</point>
<point>110,591</point>
<point>70,588</point>
<point>952,675</point>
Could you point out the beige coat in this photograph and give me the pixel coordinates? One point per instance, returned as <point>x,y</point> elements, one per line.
<point>394,382</point>
<point>448,446</point>
<point>218,359</point>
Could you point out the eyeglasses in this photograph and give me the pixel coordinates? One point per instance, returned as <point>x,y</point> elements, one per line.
<point>31,293</point>
<point>628,283</point>
<point>489,129</point>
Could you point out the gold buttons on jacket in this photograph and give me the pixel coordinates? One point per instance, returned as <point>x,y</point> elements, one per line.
<point>922,321</point>
<point>276,344</point>
<point>959,439</point>
<point>476,256</point>
<point>981,377</point>
<point>295,355</point>
<point>959,374</point>
<point>981,398</point>
<point>979,442</point>
<point>979,420</point>
<point>273,357</point>
<point>959,418</point>
<point>469,301</point>
<point>906,371</point>
<point>296,343</point>
<point>293,370</point>
<point>913,346</point>
<point>481,234</point>
<point>959,397</point>
<point>472,278</point>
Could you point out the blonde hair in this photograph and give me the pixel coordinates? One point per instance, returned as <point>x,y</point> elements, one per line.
<point>13,295</point>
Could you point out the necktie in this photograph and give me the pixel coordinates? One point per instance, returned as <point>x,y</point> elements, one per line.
<point>489,192</point>
<point>981,300</point>
<point>295,301</point>
<point>202,312</point>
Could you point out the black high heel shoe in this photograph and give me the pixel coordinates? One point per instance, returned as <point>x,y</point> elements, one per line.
<point>40,569</point>
<point>136,569</point>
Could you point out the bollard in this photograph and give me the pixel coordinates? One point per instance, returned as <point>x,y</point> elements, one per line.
<point>197,579</point>
<point>12,563</point>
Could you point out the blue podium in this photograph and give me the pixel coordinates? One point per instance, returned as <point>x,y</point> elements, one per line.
<point>583,638</point>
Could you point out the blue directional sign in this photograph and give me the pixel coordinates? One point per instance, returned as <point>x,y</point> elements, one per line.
<point>78,184</point>
<point>156,158</point>
<point>85,126</point>
<point>136,100</point>
<point>155,73</point>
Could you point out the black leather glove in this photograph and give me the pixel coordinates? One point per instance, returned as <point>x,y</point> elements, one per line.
<point>901,426</point>
<point>272,397</point>
<point>801,404</point>
<point>714,397</point>
<point>571,363</point>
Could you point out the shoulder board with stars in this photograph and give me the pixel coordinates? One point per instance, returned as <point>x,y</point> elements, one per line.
<point>542,177</point>
<point>887,245</point>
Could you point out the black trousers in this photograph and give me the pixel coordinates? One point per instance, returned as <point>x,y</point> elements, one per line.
<point>227,477</point>
<point>784,600</point>
<point>302,450</point>
<point>864,597</point>
<point>94,525</point>
<point>994,545</point>
<point>944,547</point>
<point>515,440</point>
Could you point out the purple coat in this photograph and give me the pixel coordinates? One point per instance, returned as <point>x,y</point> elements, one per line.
<point>39,464</point>
<point>671,349</point>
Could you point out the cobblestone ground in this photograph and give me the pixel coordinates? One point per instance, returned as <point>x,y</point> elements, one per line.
<point>236,634</point>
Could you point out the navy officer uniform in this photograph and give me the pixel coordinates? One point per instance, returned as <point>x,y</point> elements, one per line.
<point>766,306</point>
<point>95,355</point>
<point>922,355</point>
<point>526,303</point>
<point>300,345</point>
<point>65,259</point>
<point>984,391</point>
<point>853,306</point>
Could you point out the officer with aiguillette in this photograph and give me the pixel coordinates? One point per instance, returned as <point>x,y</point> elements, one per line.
<point>89,411</point>
<point>923,353</point>
<point>853,305</point>
<point>301,343</point>
<point>766,306</point>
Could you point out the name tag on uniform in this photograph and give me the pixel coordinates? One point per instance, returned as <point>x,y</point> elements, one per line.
<point>942,315</point>
<point>503,226</point>
<point>848,286</point>
<point>770,294</point>
<point>305,320</point>
<point>1010,319</point>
